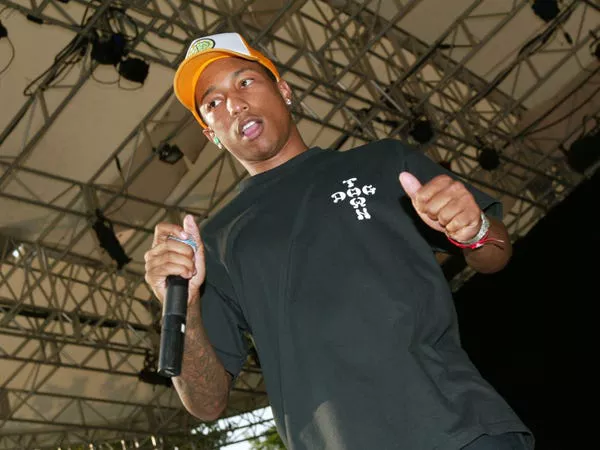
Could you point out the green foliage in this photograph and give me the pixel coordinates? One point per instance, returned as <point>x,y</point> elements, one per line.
<point>208,436</point>
<point>269,441</point>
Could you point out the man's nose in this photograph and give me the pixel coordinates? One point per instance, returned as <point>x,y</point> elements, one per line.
<point>236,104</point>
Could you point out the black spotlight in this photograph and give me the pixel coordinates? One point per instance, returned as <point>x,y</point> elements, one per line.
<point>109,50</point>
<point>169,153</point>
<point>488,158</point>
<point>421,130</point>
<point>584,152</point>
<point>134,69</point>
<point>547,10</point>
<point>108,240</point>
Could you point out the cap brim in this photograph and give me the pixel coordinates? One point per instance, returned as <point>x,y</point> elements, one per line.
<point>189,71</point>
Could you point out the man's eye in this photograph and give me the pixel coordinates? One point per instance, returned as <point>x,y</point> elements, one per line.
<point>246,82</point>
<point>213,103</point>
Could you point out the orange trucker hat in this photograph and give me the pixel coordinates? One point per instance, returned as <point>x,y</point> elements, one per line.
<point>201,53</point>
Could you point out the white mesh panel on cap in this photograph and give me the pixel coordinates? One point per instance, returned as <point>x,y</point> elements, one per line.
<point>226,41</point>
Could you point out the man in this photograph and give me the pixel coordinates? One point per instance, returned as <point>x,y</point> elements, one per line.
<point>327,259</point>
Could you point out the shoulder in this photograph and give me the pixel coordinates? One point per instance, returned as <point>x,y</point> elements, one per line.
<point>383,146</point>
<point>214,225</point>
<point>393,150</point>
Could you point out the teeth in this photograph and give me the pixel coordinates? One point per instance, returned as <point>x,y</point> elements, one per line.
<point>248,125</point>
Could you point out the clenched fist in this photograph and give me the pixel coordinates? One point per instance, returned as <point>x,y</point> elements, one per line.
<point>445,205</point>
<point>171,257</point>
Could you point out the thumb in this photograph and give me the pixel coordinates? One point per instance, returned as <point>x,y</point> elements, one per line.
<point>410,184</point>
<point>191,228</point>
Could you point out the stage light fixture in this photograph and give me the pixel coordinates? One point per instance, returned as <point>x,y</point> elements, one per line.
<point>547,10</point>
<point>421,130</point>
<point>108,240</point>
<point>168,153</point>
<point>488,158</point>
<point>584,152</point>
<point>108,51</point>
<point>134,69</point>
<point>8,247</point>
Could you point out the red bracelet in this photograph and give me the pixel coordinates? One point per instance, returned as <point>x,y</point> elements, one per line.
<point>474,245</point>
<point>479,239</point>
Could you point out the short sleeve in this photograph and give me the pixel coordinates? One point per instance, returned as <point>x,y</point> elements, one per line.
<point>225,325</point>
<point>424,168</point>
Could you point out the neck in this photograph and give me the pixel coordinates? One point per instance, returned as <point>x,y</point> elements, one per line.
<point>293,147</point>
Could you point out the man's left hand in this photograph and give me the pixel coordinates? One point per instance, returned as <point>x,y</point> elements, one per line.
<point>445,205</point>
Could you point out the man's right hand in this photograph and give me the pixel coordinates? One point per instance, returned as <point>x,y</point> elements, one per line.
<point>171,257</point>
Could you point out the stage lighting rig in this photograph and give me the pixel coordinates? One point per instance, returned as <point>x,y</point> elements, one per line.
<point>108,50</point>
<point>168,153</point>
<point>421,130</point>
<point>488,157</point>
<point>108,240</point>
<point>134,69</point>
<point>584,152</point>
<point>547,10</point>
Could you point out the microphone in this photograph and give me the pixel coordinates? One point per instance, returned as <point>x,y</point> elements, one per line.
<point>172,335</point>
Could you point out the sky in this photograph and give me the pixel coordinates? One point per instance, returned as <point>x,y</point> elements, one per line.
<point>261,414</point>
<point>238,446</point>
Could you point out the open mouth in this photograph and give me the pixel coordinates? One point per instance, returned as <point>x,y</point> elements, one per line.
<point>251,128</point>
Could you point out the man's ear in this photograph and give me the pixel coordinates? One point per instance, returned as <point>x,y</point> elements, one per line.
<point>209,133</point>
<point>284,89</point>
<point>211,136</point>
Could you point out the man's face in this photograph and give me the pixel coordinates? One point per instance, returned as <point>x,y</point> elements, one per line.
<point>244,108</point>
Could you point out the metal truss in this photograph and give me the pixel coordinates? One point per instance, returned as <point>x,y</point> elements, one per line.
<point>63,314</point>
<point>356,77</point>
<point>242,427</point>
<point>364,104</point>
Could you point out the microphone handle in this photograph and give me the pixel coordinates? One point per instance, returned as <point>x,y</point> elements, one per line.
<point>172,334</point>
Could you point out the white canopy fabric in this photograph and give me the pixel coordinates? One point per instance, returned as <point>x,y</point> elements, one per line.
<point>76,137</point>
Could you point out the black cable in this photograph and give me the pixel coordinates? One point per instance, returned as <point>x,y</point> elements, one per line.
<point>120,170</point>
<point>541,39</point>
<point>112,12</point>
<point>71,54</point>
<point>129,89</point>
<point>104,82</point>
<point>571,94</point>
<point>12,56</point>
<point>85,12</point>
<point>557,121</point>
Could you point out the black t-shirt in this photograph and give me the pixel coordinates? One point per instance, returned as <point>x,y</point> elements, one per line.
<point>323,261</point>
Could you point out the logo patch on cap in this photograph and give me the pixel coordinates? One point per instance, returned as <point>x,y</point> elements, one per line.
<point>200,46</point>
